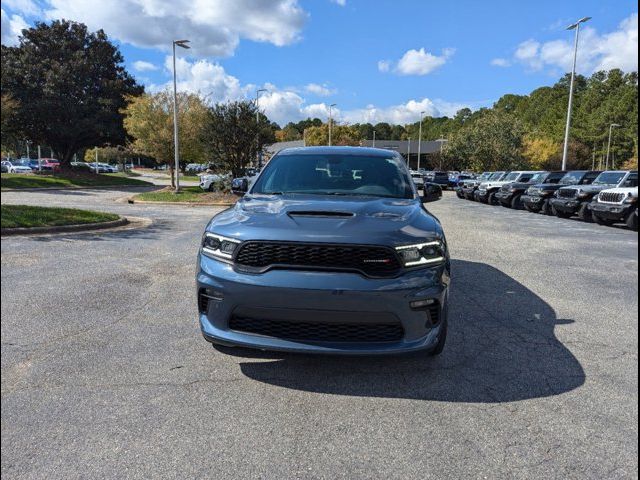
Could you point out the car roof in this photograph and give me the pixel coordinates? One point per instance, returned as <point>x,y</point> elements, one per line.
<point>325,150</point>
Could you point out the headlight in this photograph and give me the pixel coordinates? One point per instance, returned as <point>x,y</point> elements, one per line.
<point>630,199</point>
<point>430,253</point>
<point>219,247</point>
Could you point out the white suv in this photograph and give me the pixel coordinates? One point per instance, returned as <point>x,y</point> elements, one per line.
<point>616,205</point>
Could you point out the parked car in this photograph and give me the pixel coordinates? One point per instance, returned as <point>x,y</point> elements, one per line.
<point>210,180</point>
<point>537,198</point>
<point>50,164</point>
<point>439,178</point>
<point>34,164</point>
<point>456,179</point>
<point>575,200</point>
<point>469,188</point>
<point>616,205</point>
<point>418,178</point>
<point>510,194</point>
<point>82,166</point>
<point>16,166</point>
<point>313,259</point>
<point>487,190</point>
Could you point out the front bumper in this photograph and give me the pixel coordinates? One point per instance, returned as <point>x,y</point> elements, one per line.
<point>612,211</point>
<point>533,201</point>
<point>321,297</point>
<point>566,205</point>
<point>504,197</point>
<point>482,195</point>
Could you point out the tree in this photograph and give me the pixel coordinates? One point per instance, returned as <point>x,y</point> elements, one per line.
<point>148,119</point>
<point>340,135</point>
<point>70,86</point>
<point>493,142</point>
<point>232,135</point>
<point>8,128</point>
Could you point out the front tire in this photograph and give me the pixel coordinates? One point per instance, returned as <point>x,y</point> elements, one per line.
<point>516,202</point>
<point>546,208</point>
<point>585,214</point>
<point>491,199</point>
<point>632,221</point>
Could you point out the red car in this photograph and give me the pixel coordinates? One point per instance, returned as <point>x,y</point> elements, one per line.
<point>50,164</point>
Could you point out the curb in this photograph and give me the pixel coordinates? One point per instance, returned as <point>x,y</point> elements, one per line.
<point>65,228</point>
<point>181,204</point>
<point>73,187</point>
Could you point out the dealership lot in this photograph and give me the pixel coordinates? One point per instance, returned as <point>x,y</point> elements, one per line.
<point>104,371</point>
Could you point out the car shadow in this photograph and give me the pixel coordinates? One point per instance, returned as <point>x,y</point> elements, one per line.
<point>501,348</point>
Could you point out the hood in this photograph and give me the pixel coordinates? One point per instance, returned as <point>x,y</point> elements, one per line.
<point>494,184</point>
<point>313,218</point>
<point>626,190</point>
<point>591,189</point>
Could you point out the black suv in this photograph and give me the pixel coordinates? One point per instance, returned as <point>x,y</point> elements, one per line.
<point>537,198</point>
<point>470,187</point>
<point>510,195</point>
<point>571,201</point>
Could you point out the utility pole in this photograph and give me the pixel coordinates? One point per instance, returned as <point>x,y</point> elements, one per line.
<point>374,139</point>
<point>420,139</point>
<point>576,27</point>
<point>176,147</point>
<point>408,151</point>
<point>330,120</point>
<point>258,153</point>
<point>611,127</point>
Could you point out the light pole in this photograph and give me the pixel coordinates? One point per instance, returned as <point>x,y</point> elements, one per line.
<point>408,151</point>
<point>576,27</point>
<point>176,153</point>
<point>330,120</point>
<point>611,127</point>
<point>28,142</point>
<point>420,140</point>
<point>259,157</point>
<point>39,159</point>
<point>374,139</point>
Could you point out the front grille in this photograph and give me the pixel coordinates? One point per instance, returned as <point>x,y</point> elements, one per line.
<point>534,192</point>
<point>567,193</point>
<point>610,197</point>
<point>373,261</point>
<point>319,332</point>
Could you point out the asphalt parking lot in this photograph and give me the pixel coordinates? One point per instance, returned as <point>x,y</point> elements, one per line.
<point>105,374</point>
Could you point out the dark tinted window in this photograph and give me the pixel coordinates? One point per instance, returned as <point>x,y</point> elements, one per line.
<point>525,178</point>
<point>590,177</point>
<point>555,177</point>
<point>632,181</point>
<point>335,174</point>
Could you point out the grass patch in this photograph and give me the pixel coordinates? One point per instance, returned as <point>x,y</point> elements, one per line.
<point>71,179</point>
<point>187,194</point>
<point>25,216</point>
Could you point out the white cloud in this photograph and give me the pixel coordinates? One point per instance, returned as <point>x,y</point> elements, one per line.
<point>214,27</point>
<point>11,28</point>
<point>142,66</point>
<point>342,3</point>
<point>320,90</point>
<point>25,7</point>
<point>384,66</point>
<point>417,62</point>
<point>617,49</point>
<point>500,62</point>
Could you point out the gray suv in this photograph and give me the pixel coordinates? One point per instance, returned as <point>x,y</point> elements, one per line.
<point>330,251</point>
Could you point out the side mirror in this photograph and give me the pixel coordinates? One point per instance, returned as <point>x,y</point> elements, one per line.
<point>240,186</point>
<point>431,192</point>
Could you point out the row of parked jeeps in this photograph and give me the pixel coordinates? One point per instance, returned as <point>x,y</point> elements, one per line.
<point>604,197</point>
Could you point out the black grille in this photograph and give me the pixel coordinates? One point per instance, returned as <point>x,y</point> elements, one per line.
<point>610,197</point>
<point>371,260</point>
<point>319,332</point>
<point>567,192</point>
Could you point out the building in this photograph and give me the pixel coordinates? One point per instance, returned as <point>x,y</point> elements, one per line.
<point>403,147</point>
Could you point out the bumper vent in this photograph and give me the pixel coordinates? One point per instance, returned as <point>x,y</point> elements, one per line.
<point>319,332</point>
<point>373,261</point>
<point>203,301</point>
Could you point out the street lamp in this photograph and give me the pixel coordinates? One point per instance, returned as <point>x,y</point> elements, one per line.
<point>259,157</point>
<point>576,27</point>
<point>408,151</point>
<point>331,120</point>
<point>181,44</point>
<point>611,127</point>
<point>420,140</point>
<point>374,139</point>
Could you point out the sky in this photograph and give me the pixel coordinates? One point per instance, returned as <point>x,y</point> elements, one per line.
<point>376,60</point>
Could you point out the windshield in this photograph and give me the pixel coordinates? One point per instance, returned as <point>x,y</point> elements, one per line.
<point>512,176</point>
<point>609,178</point>
<point>538,177</point>
<point>335,174</point>
<point>496,176</point>
<point>572,178</point>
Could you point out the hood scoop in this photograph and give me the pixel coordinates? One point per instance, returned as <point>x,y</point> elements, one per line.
<point>320,213</point>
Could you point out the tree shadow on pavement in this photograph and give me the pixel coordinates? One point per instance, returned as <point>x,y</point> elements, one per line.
<point>501,348</point>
